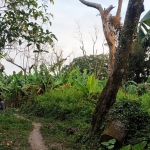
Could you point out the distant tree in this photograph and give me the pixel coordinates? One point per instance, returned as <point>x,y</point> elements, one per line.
<point>139,63</point>
<point>22,27</point>
<point>25,58</point>
<point>94,63</point>
<point>97,64</point>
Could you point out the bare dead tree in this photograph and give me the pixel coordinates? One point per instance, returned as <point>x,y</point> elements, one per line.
<point>23,57</point>
<point>57,59</point>
<point>111,27</point>
<point>94,38</point>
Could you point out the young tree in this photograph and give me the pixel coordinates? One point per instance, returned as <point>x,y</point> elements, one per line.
<point>93,63</point>
<point>108,95</point>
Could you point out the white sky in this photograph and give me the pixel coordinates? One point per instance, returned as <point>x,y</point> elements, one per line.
<point>66,12</point>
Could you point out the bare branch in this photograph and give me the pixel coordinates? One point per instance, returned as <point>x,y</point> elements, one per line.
<point>108,10</point>
<point>118,14</point>
<point>31,67</point>
<point>12,61</point>
<point>94,39</point>
<point>94,5</point>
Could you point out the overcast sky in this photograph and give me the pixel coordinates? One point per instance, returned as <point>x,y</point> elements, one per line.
<point>66,13</point>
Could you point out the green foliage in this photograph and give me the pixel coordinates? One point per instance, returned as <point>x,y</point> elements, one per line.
<point>16,89</point>
<point>135,117</point>
<point>85,82</point>
<point>139,146</point>
<point>143,28</point>
<point>90,88</point>
<point>19,23</point>
<point>96,64</point>
<point>145,100</point>
<point>130,87</point>
<point>65,103</point>
<point>77,75</point>
<point>139,63</point>
<point>59,79</point>
<point>23,89</point>
<point>128,147</point>
<point>110,144</point>
<point>40,78</point>
<point>69,112</point>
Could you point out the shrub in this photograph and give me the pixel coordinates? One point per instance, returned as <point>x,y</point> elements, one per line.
<point>137,119</point>
<point>61,104</point>
<point>145,100</point>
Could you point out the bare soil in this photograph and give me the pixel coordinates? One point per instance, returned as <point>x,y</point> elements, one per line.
<point>35,139</point>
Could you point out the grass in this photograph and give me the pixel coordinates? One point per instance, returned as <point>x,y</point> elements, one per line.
<point>64,133</point>
<point>65,115</point>
<point>14,132</point>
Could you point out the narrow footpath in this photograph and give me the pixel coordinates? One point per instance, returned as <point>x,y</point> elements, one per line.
<point>35,138</point>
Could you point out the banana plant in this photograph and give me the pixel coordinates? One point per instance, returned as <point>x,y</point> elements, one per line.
<point>76,76</point>
<point>91,86</point>
<point>144,27</point>
<point>41,79</point>
<point>16,82</point>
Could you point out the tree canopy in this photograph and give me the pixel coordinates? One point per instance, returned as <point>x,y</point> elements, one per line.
<point>21,21</point>
<point>139,64</point>
<point>96,64</point>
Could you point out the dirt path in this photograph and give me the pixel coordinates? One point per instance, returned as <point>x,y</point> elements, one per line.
<point>35,138</point>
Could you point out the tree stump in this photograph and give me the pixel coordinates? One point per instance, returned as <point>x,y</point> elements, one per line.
<point>115,129</point>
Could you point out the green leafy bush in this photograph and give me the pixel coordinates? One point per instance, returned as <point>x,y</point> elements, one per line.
<point>64,103</point>
<point>135,117</point>
<point>145,100</point>
<point>139,146</point>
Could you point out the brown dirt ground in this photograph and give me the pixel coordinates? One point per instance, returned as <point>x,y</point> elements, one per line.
<point>35,138</point>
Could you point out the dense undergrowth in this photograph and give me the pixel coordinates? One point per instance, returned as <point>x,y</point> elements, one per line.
<point>67,113</point>
<point>65,103</point>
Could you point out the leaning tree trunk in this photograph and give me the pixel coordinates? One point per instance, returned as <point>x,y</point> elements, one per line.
<point>108,95</point>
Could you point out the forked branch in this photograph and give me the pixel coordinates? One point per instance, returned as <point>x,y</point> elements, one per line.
<point>118,14</point>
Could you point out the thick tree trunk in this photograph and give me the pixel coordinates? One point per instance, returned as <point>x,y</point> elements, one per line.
<point>108,95</point>
<point>112,51</point>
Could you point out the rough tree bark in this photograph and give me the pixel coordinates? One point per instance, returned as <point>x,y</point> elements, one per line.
<point>111,27</point>
<point>108,95</point>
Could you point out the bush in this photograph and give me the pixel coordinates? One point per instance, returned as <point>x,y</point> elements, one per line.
<point>137,119</point>
<point>61,104</point>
